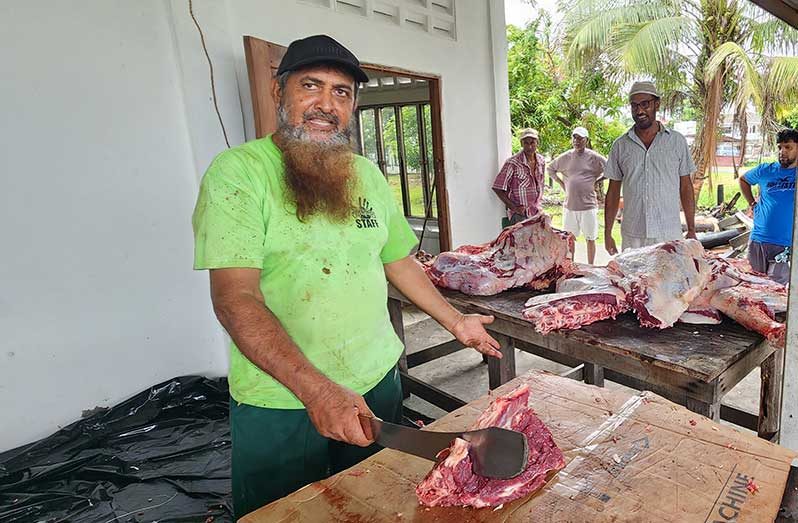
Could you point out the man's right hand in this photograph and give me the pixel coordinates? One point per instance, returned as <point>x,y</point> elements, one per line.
<point>609,245</point>
<point>334,412</point>
<point>519,210</point>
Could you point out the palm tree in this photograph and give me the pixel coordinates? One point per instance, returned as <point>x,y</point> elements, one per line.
<point>770,84</point>
<point>711,53</point>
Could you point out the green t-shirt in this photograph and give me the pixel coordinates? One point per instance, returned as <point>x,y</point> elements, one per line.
<point>324,281</point>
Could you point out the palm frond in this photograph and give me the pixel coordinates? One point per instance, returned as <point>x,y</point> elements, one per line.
<point>772,36</point>
<point>652,44</point>
<point>782,78</point>
<point>732,57</point>
<point>591,25</point>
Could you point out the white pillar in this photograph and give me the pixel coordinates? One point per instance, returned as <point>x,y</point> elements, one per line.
<point>498,33</point>
<point>789,394</point>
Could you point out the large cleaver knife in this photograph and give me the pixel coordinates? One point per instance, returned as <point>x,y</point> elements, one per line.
<point>495,452</point>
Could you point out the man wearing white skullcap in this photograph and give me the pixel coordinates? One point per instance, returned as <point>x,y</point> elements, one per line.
<point>581,168</point>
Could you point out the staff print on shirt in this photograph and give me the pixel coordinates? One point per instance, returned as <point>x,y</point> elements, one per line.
<point>366,217</point>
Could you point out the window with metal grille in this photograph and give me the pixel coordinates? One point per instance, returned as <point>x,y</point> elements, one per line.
<point>398,138</point>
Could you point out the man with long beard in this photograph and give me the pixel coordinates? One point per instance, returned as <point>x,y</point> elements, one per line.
<point>771,238</point>
<point>653,165</point>
<point>300,235</point>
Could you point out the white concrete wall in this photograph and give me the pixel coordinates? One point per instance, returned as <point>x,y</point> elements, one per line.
<point>107,126</point>
<point>98,183</point>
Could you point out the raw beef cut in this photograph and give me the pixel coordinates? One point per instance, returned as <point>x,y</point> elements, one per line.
<point>593,295</point>
<point>529,254</point>
<point>664,283</point>
<point>744,304</point>
<point>661,280</point>
<point>727,273</point>
<point>703,315</point>
<point>451,482</point>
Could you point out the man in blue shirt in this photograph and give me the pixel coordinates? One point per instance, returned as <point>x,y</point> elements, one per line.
<point>773,209</point>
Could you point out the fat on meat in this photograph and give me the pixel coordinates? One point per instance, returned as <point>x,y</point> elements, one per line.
<point>662,280</point>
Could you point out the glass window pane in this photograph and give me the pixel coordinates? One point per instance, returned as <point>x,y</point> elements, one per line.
<point>428,153</point>
<point>413,159</point>
<point>391,151</point>
<point>368,132</point>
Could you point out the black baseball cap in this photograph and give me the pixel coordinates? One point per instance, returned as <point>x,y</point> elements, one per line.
<point>320,49</point>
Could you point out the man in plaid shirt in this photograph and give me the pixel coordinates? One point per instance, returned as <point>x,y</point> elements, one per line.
<point>519,184</point>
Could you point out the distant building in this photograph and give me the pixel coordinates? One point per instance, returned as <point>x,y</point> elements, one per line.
<point>728,151</point>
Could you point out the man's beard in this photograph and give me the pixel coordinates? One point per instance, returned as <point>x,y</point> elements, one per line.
<point>319,174</point>
<point>786,163</point>
<point>644,123</point>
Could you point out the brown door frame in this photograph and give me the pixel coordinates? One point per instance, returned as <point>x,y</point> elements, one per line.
<point>262,53</point>
<point>441,194</point>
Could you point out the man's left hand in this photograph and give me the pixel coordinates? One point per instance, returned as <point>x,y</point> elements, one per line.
<point>470,331</point>
<point>691,235</point>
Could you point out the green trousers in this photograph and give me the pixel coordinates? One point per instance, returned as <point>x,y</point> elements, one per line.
<point>277,451</point>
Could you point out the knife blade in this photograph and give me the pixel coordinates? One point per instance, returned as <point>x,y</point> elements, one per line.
<point>495,452</point>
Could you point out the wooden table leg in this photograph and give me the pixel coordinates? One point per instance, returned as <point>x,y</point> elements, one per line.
<point>594,374</point>
<point>772,374</point>
<point>500,371</point>
<point>710,410</point>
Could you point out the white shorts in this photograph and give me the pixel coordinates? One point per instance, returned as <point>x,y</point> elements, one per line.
<point>581,222</point>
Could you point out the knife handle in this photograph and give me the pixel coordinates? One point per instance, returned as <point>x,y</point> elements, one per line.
<point>365,424</point>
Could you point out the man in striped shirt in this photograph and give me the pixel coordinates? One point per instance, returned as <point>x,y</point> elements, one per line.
<point>519,184</point>
<point>652,164</point>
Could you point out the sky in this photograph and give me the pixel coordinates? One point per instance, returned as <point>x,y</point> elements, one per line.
<point>519,13</point>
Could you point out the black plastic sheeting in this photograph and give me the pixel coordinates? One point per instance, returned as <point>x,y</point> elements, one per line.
<point>163,455</point>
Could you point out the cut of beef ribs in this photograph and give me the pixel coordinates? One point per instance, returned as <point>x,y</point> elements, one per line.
<point>663,283</point>
<point>592,295</point>
<point>452,482</point>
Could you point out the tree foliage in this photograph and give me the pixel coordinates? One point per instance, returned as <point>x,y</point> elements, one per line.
<point>706,55</point>
<point>410,133</point>
<point>790,118</point>
<point>544,96</point>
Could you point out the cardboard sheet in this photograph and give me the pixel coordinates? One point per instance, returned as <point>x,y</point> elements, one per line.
<point>629,457</point>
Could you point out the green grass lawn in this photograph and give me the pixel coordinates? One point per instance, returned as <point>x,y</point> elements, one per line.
<point>416,194</point>
<point>724,176</point>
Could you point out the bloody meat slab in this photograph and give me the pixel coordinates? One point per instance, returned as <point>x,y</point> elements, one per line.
<point>451,482</point>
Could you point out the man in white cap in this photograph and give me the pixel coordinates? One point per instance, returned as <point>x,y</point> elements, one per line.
<point>581,168</point>
<point>519,184</point>
<point>653,165</point>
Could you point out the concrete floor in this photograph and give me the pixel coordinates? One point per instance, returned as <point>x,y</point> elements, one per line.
<point>464,375</point>
<point>580,252</point>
